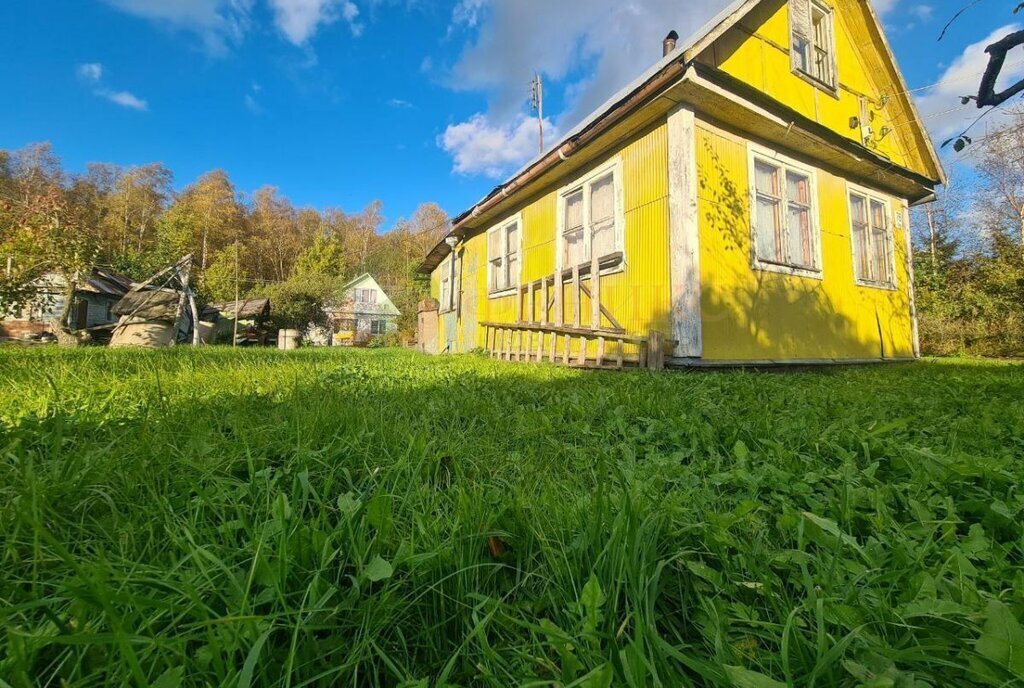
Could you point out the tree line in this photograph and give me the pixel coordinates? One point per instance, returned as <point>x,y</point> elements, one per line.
<point>969,251</point>
<point>132,220</point>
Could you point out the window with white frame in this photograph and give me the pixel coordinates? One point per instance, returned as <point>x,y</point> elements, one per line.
<point>378,327</point>
<point>589,219</point>
<point>785,227</point>
<point>813,40</point>
<point>365,296</point>
<point>503,257</point>
<point>872,240</point>
<point>446,287</point>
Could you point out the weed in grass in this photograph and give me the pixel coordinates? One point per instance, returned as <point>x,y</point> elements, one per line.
<point>324,518</point>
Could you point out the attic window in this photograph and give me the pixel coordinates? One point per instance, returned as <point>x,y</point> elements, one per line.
<point>365,296</point>
<point>813,51</point>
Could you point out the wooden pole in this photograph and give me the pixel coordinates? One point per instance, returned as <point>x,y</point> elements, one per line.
<point>595,291</point>
<point>234,336</point>
<point>576,296</point>
<point>559,296</point>
<point>656,353</point>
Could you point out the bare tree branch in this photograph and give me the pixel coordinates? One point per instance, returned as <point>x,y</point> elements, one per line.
<point>957,16</point>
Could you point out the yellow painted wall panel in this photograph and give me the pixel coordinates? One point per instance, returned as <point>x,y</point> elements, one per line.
<point>747,314</point>
<point>751,314</point>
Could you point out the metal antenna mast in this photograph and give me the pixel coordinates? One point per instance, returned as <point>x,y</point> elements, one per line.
<point>537,102</point>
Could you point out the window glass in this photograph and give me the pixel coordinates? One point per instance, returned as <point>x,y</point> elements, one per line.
<point>879,242</point>
<point>602,215</point>
<point>768,225</point>
<point>590,222</point>
<point>512,252</point>
<point>859,234</point>
<point>872,243</point>
<point>573,235</point>
<point>798,197</point>
<point>503,255</point>
<point>785,231</point>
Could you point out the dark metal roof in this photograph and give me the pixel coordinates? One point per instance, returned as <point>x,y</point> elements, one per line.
<point>106,282</point>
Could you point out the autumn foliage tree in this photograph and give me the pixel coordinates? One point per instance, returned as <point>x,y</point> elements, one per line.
<point>131,219</point>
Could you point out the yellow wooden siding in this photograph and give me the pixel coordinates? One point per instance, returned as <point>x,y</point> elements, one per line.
<point>756,51</point>
<point>638,295</point>
<point>749,314</point>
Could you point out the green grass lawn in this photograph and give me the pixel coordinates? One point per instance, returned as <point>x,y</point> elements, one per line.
<point>360,518</point>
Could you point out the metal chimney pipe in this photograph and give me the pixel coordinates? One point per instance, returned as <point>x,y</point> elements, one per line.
<point>670,43</point>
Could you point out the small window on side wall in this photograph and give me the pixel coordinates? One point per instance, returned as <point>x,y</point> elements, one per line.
<point>871,235</point>
<point>503,257</point>
<point>813,41</point>
<point>785,227</point>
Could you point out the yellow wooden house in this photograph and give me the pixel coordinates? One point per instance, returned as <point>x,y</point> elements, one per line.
<point>745,201</point>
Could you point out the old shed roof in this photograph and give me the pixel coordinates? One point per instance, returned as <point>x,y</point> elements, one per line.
<point>248,308</point>
<point>106,282</point>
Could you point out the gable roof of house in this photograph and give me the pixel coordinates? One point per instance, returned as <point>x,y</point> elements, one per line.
<point>634,96</point>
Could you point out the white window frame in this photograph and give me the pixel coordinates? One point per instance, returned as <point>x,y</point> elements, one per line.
<point>890,258</point>
<point>614,166</point>
<point>832,84</point>
<point>446,301</point>
<point>772,157</point>
<point>516,219</point>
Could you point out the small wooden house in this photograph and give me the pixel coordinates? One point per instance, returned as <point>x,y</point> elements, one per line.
<point>744,201</point>
<point>363,313</point>
<point>93,303</point>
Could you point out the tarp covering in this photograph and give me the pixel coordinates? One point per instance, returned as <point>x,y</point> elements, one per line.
<point>249,308</point>
<point>150,305</point>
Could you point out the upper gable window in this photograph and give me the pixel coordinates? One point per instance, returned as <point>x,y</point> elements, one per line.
<point>503,257</point>
<point>366,296</point>
<point>784,217</point>
<point>813,49</point>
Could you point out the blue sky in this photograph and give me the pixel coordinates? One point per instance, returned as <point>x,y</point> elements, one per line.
<point>341,102</point>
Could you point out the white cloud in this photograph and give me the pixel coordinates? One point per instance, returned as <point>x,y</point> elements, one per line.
<point>479,147</point>
<point>124,99</point>
<point>940,105</point>
<point>883,7</point>
<point>91,72</point>
<point>299,20</point>
<point>922,13</point>
<point>468,12</point>
<point>218,23</point>
<point>400,104</point>
<point>586,50</point>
